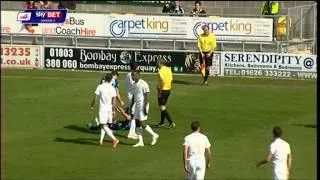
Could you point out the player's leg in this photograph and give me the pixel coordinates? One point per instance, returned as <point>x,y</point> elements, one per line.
<point>202,60</point>
<point>191,167</point>
<point>132,132</point>
<point>102,134</point>
<point>161,103</point>
<point>166,95</point>
<point>208,61</point>
<point>139,134</point>
<point>154,135</point>
<point>106,117</point>
<point>200,168</point>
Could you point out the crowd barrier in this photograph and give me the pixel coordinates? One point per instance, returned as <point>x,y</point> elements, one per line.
<point>293,66</point>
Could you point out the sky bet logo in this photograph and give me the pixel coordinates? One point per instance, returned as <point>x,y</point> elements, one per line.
<point>118,28</point>
<point>42,16</point>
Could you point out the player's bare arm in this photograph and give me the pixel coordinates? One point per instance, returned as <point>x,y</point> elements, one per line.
<point>114,103</point>
<point>289,162</point>
<point>120,98</point>
<point>184,156</point>
<point>93,101</point>
<point>131,105</point>
<point>200,50</point>
<point>121,110</point>
<point>145,103</point>
<point>208,157</point>
<point>265,160</point>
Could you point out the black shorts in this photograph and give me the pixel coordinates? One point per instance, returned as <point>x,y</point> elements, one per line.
<point>208,60</point>
<point>162,100</point>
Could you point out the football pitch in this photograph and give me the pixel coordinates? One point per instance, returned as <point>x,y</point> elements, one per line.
<point>44,135</point>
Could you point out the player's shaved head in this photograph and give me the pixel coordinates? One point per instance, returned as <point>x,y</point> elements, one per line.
<point>195,125</point>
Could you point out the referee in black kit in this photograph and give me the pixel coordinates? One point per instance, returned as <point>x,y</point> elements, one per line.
<point>164,90</point>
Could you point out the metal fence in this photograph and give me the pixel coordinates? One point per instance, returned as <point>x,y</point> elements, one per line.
<point>304,25</point>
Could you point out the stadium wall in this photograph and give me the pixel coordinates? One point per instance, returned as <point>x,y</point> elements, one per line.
<point>211,7</point>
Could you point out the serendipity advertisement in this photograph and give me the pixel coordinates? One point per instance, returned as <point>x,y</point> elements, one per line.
<point>295,66</point>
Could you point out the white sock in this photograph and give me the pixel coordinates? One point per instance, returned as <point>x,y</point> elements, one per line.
<point>139,133</point>
<point>132,130</point>
<point>102,133</point>
<point>149,130</point>
<point>109,132</point>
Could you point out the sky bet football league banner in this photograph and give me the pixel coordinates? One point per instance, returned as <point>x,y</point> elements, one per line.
<point>74,24</point>
<point>120,60</point>
<point>139,26</point>
<point>31,16</point>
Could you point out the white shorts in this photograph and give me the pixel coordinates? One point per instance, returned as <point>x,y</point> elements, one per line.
<point>197,169</point>
<point>105,116</point>
<point>139,114</point>
<point>280,174</point>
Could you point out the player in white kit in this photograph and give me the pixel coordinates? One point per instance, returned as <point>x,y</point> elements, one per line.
<point>196,150</point>
<point>140,113</point>
<point>107,102</point>
<point>280,155</point>
<point>132,131</point>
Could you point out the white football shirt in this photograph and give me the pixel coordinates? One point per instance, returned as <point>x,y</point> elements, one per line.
<point>139,89</point>
<point>197,143</point>
<point>280,150</point>
<point>106,92</point>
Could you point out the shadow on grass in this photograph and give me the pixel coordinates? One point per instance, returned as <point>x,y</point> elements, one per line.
<point>156,126</point>
<point>86,141</point>
<point>94,131</point>
<point>185,82</point>
<point>81,129</point>
<point>306,125</point>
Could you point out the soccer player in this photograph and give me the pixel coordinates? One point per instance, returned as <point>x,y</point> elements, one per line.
<point>115,84</point>
<point>164,89</point>
<point>206,44</point>
<point>195,147</point>
<point>107,102</point>
<point>280,154</point>
<point>132,132</point>
<point>140,113</point>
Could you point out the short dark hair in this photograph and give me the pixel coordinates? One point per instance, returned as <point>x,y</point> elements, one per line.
<point>134,66</point>
<point>195,125</point>
<point>277,131</point>
<point>205,26</point>
<point>197,2</point>
<point>108,77</point>
<point>115,73</point>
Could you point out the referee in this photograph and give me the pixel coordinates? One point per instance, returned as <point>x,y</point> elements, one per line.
<point>206,43</point>
<point>164,89</point>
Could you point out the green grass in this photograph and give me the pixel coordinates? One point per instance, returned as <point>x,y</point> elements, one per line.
<point>45,113</point>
